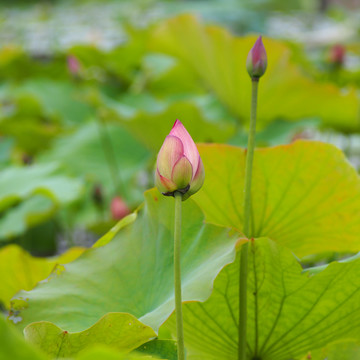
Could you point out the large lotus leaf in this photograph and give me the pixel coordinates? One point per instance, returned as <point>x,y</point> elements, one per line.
<point>13,345</point>
<point>19,183</point>
<point>86,153</point>
<point>277,133</point>
<point>166,75</point>
<point>17,64</point>
<point>289,313</point>
<point>21,271</point>
<point>58,98</point>
<point>27,214</point>
<point>152,121</point>
<point>119,330</point>
<point>219,59</point>
<point>133,273</point>
<point>23,119</point>
<point>31,195</point>
<point>304,195</point>
<point>120,63</point>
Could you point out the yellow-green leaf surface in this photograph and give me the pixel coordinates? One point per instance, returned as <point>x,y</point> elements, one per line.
<point>305,195</point>
<point>21,271</point>
<point>289,313</point>
<point>13,346</point>
<point>133,273</point>
<point>119,330</point>
<point>219,59</point>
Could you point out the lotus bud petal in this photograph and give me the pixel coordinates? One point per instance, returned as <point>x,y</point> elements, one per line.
<point>256,62</point>
<point>163,184</point>
<point>179,167</point>
<point>182,172</point>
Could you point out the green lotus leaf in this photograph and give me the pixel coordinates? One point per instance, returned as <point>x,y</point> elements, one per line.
<point>59,98</point>
<point>26,122</point>
<point>21,271</point>
<point>92,161</point>
<point>289,313</point>
<point>27,214</point>
<point>18,183</point>
<point>119,330</point>
<point>132,273</point>
<point>219,58</point>
<point>154,123</point>
<point>32,195</point>
<point>304,195</point>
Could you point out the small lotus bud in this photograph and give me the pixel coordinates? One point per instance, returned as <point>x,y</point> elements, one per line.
<point>118,208</point>
<point>179,167</point>
<point>256,61</point>
<point>73,65</point>
<point>97,195</point>
<point>337,55</point>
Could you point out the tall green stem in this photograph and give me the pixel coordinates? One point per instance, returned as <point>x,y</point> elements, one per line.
<point>247,224</point>
<point>177,276</point>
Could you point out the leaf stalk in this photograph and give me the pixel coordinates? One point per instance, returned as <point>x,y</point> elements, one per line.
<point>177,276</point>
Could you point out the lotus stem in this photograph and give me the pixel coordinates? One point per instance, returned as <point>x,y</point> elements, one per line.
<point>177,276</point>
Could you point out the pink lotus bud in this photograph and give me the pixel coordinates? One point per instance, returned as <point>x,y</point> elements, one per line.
<point>337,54</point>
<point>179,166</point>
<point>73,65</point>
<point>256,61</point>
<point>119,209</point>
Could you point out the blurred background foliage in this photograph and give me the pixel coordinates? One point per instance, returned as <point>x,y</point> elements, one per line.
<point>89,90</point>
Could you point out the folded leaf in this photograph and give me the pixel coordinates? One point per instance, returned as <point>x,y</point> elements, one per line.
<point>118,330</point>
<point>133,273</point>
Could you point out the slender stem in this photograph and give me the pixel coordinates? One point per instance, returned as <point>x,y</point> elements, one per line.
<point>249,159</point>
<point>177,276</point>
<point>247,225</point>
